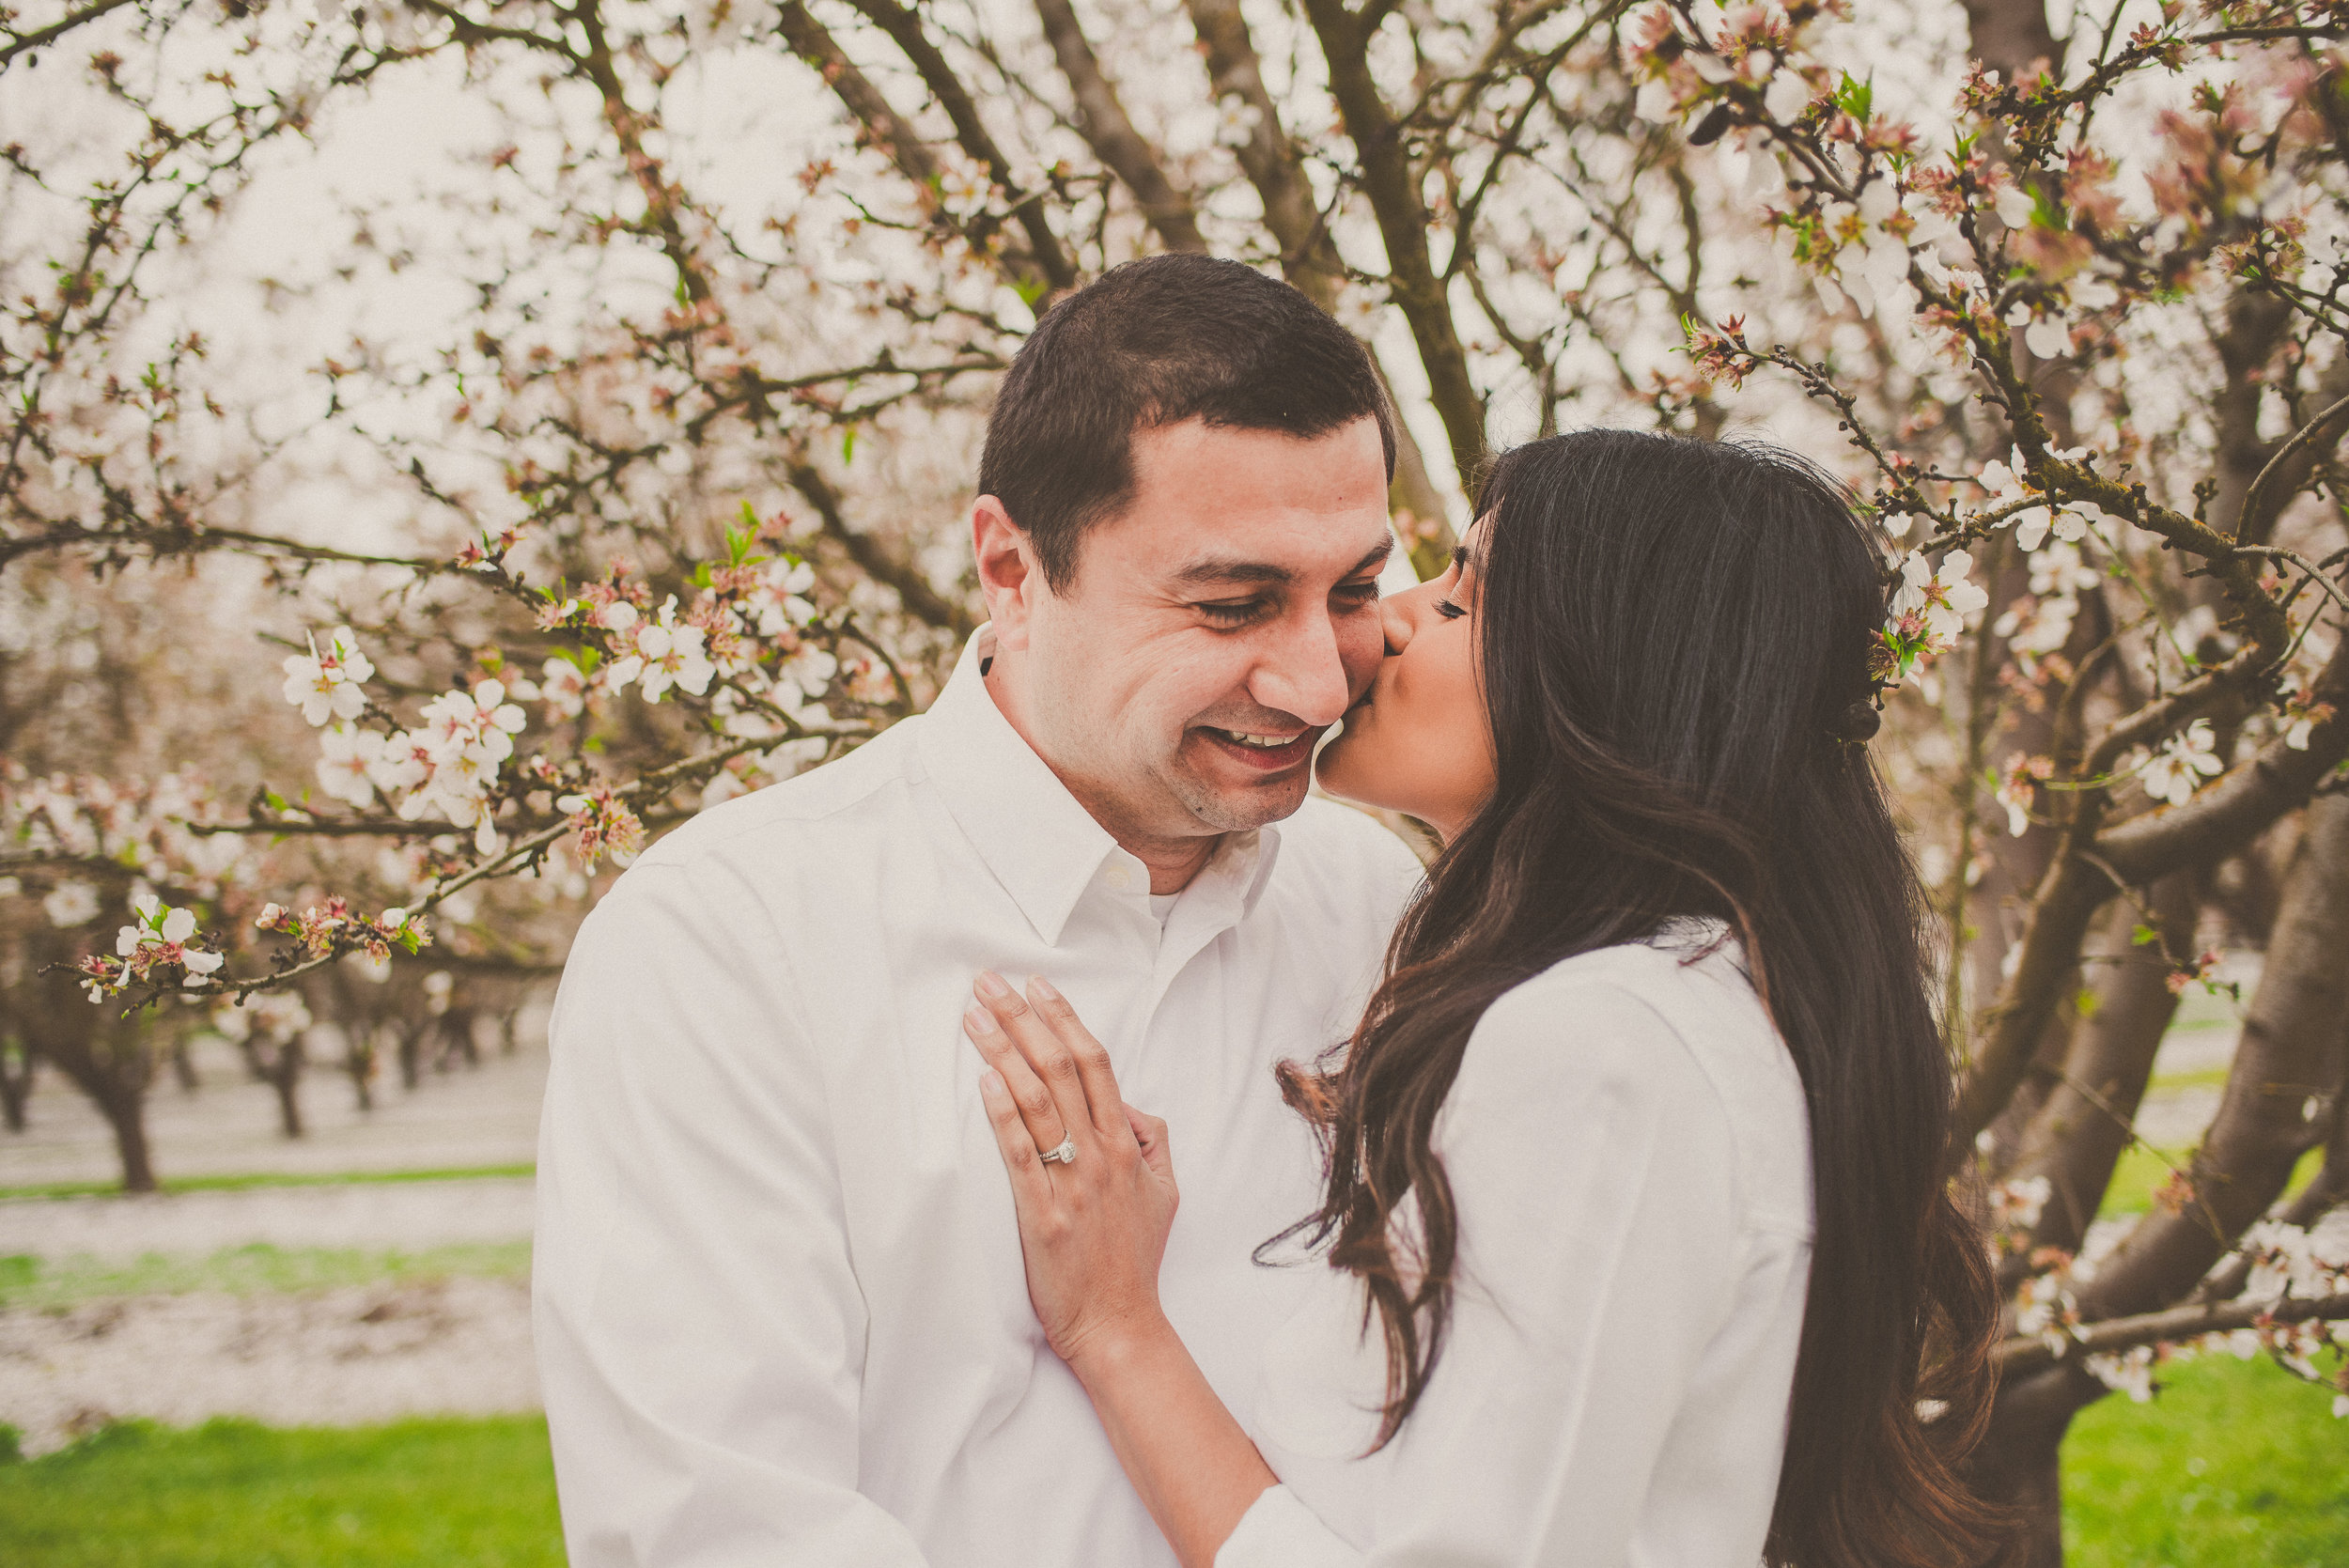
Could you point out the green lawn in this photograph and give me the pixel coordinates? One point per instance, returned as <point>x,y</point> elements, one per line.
<point>417,1494</point>
<point>2234,1466</point>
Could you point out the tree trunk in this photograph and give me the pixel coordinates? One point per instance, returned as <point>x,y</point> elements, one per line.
<point>285,1076</point>
<point>2084,1126</point>
<point>2020,1464</point>
<point>16,1082</point>
<point>2288,1057</point>
<point>2291,1054</point>
<point>359,1062</point>
<point>126,1113</point>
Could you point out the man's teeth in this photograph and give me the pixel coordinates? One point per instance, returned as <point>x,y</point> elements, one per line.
<point>1264,741</point>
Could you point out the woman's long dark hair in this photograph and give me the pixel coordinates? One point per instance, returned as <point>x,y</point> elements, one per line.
<point>1671,632</point>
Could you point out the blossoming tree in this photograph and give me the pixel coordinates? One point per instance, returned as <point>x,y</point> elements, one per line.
<point>677,481</point>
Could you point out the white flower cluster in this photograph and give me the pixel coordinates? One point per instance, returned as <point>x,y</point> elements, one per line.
<point>275,1015</point>
<point>1940,598</point>
<point>2175,772</point>
<point>2069,522</point>
<point>329,686</point>
<point>2129,1372</point>
<point>665,654</point>
<point>446,764</point>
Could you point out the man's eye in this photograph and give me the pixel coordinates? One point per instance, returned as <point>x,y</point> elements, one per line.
<point>1448,609</point>
<point>1354,595</point>
<point>1232,612</point>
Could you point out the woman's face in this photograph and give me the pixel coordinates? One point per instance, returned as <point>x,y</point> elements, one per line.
<point>1418,742</point>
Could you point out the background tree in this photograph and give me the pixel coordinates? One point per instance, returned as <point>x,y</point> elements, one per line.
<point>624,468</point>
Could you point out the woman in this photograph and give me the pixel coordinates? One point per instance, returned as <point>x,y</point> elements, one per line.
<point>1639,1247</point>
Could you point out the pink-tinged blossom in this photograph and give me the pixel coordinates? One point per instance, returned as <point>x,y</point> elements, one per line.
<point>326,686</point>
<point>778,602</point>
<point>402,762</point>
<point>158,938</point>
<point>2129,1372</point>
<point>2017,789</point>
<point>563,689</point>
<point>601,824</point>
<point>347,761</point>
<point>2177,770</point>
<point>2299,712</point>
<point>477,722</point>
<point>666,655</point>
<point>1942,597</point>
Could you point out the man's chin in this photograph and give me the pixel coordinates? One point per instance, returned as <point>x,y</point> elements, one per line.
<point>1230,808</point>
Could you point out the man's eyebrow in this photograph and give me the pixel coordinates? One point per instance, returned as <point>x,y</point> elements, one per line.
<point>1222,569</point>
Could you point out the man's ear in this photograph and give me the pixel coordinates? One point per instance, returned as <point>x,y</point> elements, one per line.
<point>1009,574</point>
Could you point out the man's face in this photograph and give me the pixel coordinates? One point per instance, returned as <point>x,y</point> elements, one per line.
<point>1212,631</point>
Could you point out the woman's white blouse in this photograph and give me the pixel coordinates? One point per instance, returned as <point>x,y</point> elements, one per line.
<point>1630,1154</point>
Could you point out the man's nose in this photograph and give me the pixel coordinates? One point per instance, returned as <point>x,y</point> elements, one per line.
<point>1302,672</point>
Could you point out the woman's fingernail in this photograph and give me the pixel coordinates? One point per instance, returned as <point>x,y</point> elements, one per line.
<point>1042,988</point>
<point>992,984</point>
<point>990,1080</point>
<point>978,1020</point>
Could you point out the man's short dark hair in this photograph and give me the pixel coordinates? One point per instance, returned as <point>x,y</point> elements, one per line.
<point>1153,343</point>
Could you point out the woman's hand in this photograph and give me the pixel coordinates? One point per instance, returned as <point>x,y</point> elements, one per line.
<point>1093,1226</point>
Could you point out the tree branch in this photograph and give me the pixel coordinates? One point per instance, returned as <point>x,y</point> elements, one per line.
<point>1403,224</point>
<point>1102,120</point>
<point>2027,1353</point>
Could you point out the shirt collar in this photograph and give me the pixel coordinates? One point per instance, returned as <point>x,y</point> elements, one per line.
<point>1041,844</point>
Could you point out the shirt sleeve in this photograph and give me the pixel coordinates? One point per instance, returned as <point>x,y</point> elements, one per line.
<point>699,1328</point>
<point>1591,1164</point>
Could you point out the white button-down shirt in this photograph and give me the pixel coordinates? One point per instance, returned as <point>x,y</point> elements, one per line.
<point>1629,1154</point>
<point>780,1307</point>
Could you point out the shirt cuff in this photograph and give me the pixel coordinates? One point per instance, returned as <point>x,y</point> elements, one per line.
<point>1278,1531</point>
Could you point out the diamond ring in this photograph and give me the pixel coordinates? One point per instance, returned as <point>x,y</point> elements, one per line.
<point>1066,1153</point>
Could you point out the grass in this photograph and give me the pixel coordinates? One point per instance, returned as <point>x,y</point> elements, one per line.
<point>469,1492</point>
<point>245,1183</point>
<point>2141,1169</point>
<point>2233,1465</point>
<point>39,1283</point>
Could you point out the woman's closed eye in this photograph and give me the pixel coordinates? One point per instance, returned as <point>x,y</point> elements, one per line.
<point>1448,609</point>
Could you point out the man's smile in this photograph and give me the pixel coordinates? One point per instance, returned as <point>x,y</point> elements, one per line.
<point>1265,750</point>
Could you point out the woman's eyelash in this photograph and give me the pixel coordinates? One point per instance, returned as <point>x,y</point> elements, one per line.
<point>1448,609</point>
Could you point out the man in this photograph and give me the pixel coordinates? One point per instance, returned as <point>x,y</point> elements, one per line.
<point>781,1312</point>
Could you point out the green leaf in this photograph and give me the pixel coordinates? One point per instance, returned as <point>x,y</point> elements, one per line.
<point>276,802</point>
<point>1855,98</point>
<point>2086,1003</point>
<point>848,444</point>
<point>2144,935</point>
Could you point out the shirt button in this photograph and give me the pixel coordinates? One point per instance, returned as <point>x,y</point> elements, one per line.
<point>1120,878</point>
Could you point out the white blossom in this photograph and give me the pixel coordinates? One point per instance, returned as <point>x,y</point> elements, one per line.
<point>326,686</point>
<point>71,903</point>
<point>1787,95</point>
<point>346,760</point>
<point>1942,597</point>
<point>2178,769</point>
